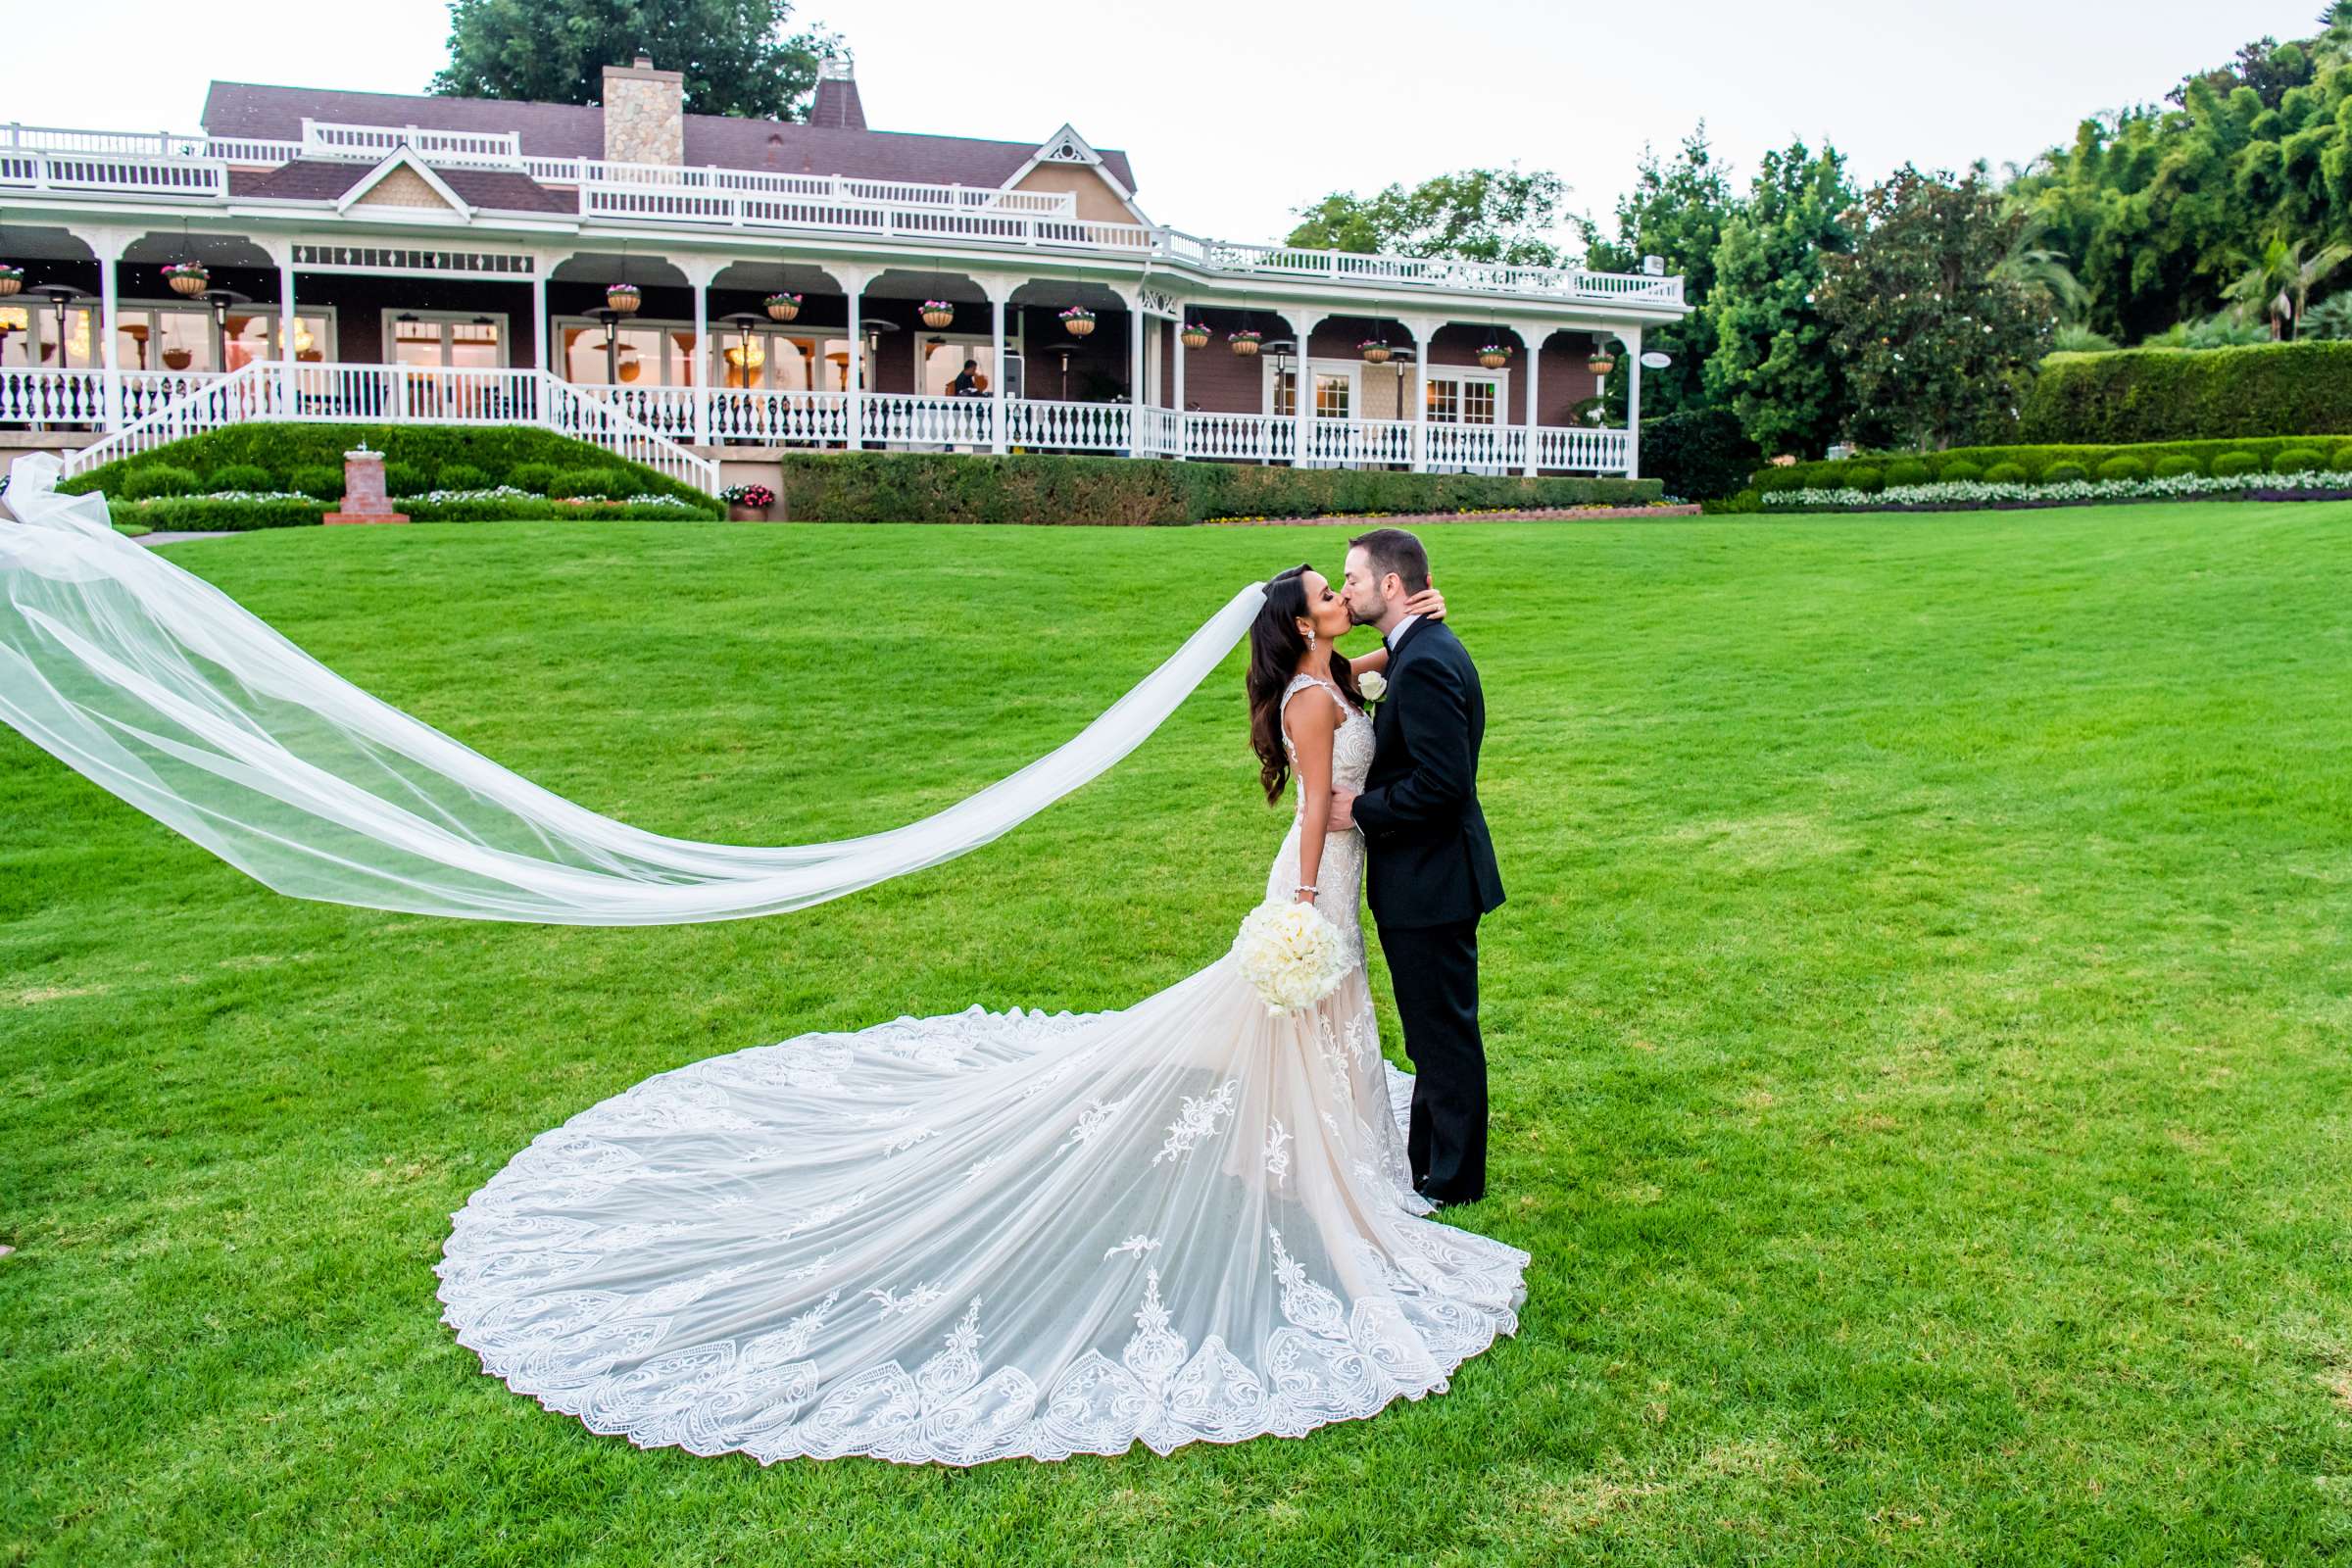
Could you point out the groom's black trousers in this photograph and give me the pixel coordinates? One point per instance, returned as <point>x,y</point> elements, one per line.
<point>1434,972</point>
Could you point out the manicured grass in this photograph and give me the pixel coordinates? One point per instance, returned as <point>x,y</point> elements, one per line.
<point>1918,1035</point>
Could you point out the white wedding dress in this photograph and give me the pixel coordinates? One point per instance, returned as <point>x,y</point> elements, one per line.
<point>991,1236</point>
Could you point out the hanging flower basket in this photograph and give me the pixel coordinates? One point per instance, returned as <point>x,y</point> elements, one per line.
<point>624,298</point>
<point>1493,356</point>
<point>1374,351</point>
<point>187,277</point>
<point>1194,335</point>
<point>1078,319</point>
<point>1245,342</point>
<point>783,306</point>
<point>177,359</point>
<point>938,314</point>
<point>1601,362</point>
<point>12,280</point>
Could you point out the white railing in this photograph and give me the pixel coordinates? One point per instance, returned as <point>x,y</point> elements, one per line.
<point>895,419</point>
<point>565,409</point>
<point>1034,423</point>
<point>445,149</point>
<point>1241,437</point>
<point>652,424</point>
<point>399,394</point>
<point>143,162</point>
<point>1582,447</point>
<point>30,168</point>
<point>668,410</point>
<point>780,418</point>
<point>1478,448</point>
<point>1386,443</point>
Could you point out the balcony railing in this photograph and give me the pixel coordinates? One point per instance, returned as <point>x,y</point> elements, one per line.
<point>196,169</point>
<point>655,425</point>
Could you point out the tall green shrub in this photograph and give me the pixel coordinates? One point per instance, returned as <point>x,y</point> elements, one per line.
<point>2139,395</point>
<point>1700,454</point>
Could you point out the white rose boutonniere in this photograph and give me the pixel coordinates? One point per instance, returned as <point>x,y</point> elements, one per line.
<point>1373,684</point>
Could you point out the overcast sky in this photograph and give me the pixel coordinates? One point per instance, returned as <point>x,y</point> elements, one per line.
<point>1234,113</point>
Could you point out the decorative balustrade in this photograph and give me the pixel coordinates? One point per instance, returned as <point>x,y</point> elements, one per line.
<point>444,149</point>
<point>654,426</point>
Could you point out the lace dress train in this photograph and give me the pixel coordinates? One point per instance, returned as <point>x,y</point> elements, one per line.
<point>989,1236</point>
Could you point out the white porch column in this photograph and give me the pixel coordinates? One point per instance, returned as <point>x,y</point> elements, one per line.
<point>1425,331</point>
<point>1632,402</point>
<point>999,291</point>
<point>857,332</point>
<point>1302,389</point>
<point>539,266</point>
<point>1534,337</point>
<point>1138,394</point>
<point>285,331</point>
<point>108,246</point>
<point>1184,433</point>
<point>699,273</point>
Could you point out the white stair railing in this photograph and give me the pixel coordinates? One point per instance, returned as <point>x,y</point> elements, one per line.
<point>401,394</point>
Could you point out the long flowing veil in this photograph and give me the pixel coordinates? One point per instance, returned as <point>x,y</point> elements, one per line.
<point>163,690</point>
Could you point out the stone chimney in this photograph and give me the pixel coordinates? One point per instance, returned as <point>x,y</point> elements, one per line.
<point>837,107</point>
<point>645,114</point>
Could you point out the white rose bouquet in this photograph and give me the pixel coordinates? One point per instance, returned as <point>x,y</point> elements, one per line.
<point>1291,955</point>
<point>1373,684</point>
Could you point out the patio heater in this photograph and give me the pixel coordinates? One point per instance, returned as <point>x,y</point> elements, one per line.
<point>747,348</point>
<point>869,332</point>
<point>612,320</point>
<point>62,296</point>
<point>223,301</point>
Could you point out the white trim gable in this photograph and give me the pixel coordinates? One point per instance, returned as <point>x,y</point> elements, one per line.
<point>406,158</point>
<point>1067,146</point>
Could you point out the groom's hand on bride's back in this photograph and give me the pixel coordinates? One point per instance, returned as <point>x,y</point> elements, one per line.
<point>1343,810</point>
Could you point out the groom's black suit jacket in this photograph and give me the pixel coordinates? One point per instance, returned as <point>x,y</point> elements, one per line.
<point>1431,861</point>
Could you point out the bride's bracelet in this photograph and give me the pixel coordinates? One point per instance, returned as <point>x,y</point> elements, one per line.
<point>1304,887</point>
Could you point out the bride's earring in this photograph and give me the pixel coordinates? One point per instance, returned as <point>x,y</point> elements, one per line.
<point>1311,639</point>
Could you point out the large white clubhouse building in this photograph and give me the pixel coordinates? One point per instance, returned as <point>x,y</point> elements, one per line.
<point>683,287</point>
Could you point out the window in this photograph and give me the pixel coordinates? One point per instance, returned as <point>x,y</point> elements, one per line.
<point>1332,395</point>
<point>1459,397</point>
<point>1334,389</point>
<point>937,365</point>
<point>1286,394</point>
<point>253,335</point>
<point>457,339</point>
<point>29,336</point>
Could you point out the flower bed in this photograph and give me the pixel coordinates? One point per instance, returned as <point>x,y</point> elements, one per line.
<point>1972,494</point>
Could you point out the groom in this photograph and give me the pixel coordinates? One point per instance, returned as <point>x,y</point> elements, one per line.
<point>1431,870</point>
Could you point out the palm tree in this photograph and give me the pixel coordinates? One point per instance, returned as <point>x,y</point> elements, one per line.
<point>2278,282</point>
<point>2032,265</point>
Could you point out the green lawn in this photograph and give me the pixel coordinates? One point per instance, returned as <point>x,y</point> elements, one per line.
<point>1919,1030</point>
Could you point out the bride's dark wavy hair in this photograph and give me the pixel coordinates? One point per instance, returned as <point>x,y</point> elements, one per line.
<point>1275,648</point>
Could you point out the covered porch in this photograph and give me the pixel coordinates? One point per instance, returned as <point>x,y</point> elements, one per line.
<point>734,359</point>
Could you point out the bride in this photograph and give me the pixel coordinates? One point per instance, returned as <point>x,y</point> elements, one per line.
<point>991,1236</point>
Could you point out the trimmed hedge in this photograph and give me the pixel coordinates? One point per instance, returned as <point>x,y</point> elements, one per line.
<point>2032,465</point>
<point>2141,395</point>
<point>203,513</point>
<point>207,513</point>
<point>948,487</point>
<point>418,454</point>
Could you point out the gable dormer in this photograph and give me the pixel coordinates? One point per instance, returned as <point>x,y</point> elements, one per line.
<point>1067,162</point>
<point>403,181</point>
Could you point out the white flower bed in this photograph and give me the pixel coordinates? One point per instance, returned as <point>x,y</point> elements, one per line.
<point>1979,491</point>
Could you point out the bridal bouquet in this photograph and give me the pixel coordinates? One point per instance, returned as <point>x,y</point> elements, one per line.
<point>1291,955</point>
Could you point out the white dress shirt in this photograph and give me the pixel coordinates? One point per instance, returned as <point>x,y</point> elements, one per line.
<point>1397,631</point>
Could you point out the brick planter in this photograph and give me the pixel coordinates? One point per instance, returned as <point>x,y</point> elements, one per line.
<point>364,499</point>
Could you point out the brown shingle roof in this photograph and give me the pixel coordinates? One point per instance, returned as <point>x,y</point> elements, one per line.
<point>309,181</point>
<point>239,109</point>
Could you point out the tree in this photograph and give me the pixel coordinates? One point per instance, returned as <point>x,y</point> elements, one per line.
<point>1936,344</point>
<point>1480,215</point>
<point>2278,281</point>
<point>1676,210</point>
<point>1773,365</point>
<point>736,54</point>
